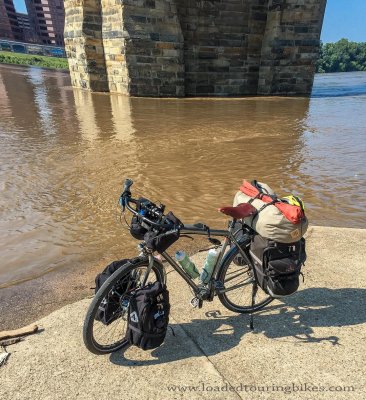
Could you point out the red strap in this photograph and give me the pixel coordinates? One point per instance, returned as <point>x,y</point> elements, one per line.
<point>248,189</point>
<point>293,213</point>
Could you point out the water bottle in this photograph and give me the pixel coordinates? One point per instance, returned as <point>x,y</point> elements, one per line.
<point>187,264</point>
<point>209,265</point>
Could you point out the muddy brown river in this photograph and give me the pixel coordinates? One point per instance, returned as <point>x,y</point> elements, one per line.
<point>65,153</point>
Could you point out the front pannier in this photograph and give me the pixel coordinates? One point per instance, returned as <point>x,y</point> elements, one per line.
<point>277,265</point>
<point>109,307</point>
<point>148,316</point>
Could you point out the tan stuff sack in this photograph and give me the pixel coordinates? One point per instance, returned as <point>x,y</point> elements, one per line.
<point>270,222</point>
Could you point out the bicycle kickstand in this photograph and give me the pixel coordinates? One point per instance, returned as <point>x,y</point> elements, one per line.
<point>254,294</point>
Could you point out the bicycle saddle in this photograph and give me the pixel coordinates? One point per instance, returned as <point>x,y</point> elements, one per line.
<point>240,211</point>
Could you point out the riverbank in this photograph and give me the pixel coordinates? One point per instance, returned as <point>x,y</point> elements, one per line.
<point>310,344</point>
<point>7,57</point>
<point>28,301</point>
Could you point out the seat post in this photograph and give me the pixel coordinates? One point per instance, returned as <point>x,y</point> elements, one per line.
<point>232,225</point>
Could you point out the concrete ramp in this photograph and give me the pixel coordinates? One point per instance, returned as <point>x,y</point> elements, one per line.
<point>309,346</point>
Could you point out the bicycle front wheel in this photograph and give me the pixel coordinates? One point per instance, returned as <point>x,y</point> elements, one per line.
<point>238,281</point>
<point>105,323</point>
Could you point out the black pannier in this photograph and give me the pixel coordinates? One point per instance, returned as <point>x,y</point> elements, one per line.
<point>107,311</point>
<point>148,316</point>
<point>108,271</point>
<point>277,265</point>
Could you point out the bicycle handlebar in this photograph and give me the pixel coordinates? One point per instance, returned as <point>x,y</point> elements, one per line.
<point>157,212</point>
<point>127,184</point>
<point>145,219</point>
<point>150,207</point>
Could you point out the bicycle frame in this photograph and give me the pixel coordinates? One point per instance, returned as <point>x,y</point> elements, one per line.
<point>229,236</point>
<point>202,292</point>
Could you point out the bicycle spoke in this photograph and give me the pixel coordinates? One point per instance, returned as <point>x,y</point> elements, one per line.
<point>238,283</point>
<point>248,281</point>
<point>235,276</point>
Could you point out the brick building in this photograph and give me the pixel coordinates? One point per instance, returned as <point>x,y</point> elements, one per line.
<point>29,35</point>
<point>9,25</point>
<point>47,17</point>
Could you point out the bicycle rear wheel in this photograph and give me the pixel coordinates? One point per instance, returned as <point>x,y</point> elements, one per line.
<point>238,281</point>
<point>103,337</point>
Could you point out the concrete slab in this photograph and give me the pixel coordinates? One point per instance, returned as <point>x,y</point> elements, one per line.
<point>309,346</point>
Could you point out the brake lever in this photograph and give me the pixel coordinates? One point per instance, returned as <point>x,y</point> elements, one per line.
<point>122,202</point>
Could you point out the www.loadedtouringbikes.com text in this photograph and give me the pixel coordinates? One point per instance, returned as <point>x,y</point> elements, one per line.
<point>290,388</point>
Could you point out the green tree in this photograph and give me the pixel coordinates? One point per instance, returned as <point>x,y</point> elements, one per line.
<point>342,56</point>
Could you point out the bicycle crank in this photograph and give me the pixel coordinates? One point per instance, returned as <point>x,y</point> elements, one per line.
<point>196,302</point>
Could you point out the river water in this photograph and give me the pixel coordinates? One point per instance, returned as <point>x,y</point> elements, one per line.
<point>65,153</point>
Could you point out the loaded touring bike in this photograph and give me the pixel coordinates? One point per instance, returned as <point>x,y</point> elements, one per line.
<point>233,279</point>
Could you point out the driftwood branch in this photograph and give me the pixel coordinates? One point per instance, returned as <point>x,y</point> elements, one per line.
<point>26,330</point>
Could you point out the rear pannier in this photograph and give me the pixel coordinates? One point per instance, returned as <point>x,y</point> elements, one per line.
<point>276,219</point>
<point>277,266</point>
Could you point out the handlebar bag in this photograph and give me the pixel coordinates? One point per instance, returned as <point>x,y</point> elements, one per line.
<point>137,230</point>
<point>160,241</point>
<point>107,311</point>
<point>277,266</point>
<point>148,316</point>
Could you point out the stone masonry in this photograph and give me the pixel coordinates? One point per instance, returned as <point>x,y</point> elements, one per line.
<point>177,48</point>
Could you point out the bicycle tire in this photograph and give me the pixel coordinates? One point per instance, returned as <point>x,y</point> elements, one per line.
<point>246,269</point>
<point>89,338</point>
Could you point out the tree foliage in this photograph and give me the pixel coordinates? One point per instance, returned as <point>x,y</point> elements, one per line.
<point>342,56</point>
<point>29,59</point>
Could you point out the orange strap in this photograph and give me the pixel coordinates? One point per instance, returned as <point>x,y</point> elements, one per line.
<point>293,213</point>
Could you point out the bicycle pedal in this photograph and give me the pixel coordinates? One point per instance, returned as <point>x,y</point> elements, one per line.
<point>196,302</point>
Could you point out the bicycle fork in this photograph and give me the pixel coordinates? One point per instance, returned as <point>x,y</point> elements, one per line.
<point>149,268</point>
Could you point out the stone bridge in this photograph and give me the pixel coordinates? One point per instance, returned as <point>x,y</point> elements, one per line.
<point>194,47</point>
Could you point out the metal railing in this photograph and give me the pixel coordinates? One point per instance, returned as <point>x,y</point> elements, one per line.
<point>32,48</point>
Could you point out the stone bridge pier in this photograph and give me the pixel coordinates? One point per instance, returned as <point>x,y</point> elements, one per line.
<point>177,48</point>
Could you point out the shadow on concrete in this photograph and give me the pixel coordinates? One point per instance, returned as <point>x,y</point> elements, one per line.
<point>293,319</point>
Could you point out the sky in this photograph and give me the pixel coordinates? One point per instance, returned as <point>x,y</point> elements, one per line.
<point>343,19</point>
<point>20,6</point>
